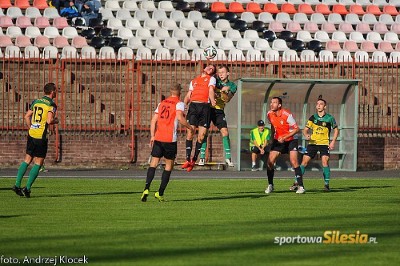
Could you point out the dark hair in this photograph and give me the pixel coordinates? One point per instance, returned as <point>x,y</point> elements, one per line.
<point>49,88</point>
<point>279,99</point>
<point>320,99</point>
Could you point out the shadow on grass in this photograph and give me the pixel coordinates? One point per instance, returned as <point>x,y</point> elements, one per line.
<point>350,189</point>
<point>10,188</point>
<point>261,194</point>
<point>87,194</point>
<point>9,216</point>
<point>313,251</point>
<point>253,195</point>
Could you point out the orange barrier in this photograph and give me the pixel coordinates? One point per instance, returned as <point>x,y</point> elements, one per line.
<point>119,96</point>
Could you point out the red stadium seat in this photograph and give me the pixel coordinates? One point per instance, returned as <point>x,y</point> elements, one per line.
<point>357,9</point>
<point>373,9</point>
<point>253,7</point>
<point>5,4</point>
<point>391,10</point>
<point>305,8</point>
<point>40,4</point>
<point>236,7</point>
<point>218,7</point>
<point>323,9</point>
<point>23,4</point>
<point>340,9</point>
<point>271,8</point>
<point>288,8</point>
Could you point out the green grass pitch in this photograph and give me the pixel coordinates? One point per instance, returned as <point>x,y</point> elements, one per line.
<point>204,222</point>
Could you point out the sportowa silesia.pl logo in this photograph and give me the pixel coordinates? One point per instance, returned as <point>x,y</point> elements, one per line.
<point>329,237</point>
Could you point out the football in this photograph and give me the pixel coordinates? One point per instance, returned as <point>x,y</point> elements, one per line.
<point>210,52</point>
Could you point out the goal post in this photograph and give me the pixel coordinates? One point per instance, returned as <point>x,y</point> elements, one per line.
<point>251,104</point>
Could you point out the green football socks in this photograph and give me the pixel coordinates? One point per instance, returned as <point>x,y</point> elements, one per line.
<point>227,147</point>
<point>32,176</point>
<point>21,172</point>
<point>303,169</point>
<point>203,148</point>
<point>225,142</point>
<point>327,174</point>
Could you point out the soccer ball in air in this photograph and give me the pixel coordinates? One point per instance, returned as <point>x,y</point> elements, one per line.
<point>210,52</point>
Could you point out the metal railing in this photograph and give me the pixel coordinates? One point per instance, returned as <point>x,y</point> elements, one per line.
<point>120,96</point>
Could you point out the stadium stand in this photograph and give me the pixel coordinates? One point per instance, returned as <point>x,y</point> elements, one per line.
<point>333,25</point>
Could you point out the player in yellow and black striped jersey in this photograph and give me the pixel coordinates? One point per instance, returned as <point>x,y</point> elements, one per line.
<point>41,114</point>
<point>321,124</point>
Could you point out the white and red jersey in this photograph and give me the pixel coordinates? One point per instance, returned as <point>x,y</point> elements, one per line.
<point>283,123</point>
<point>199,87</point>
<point>167,123</point>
